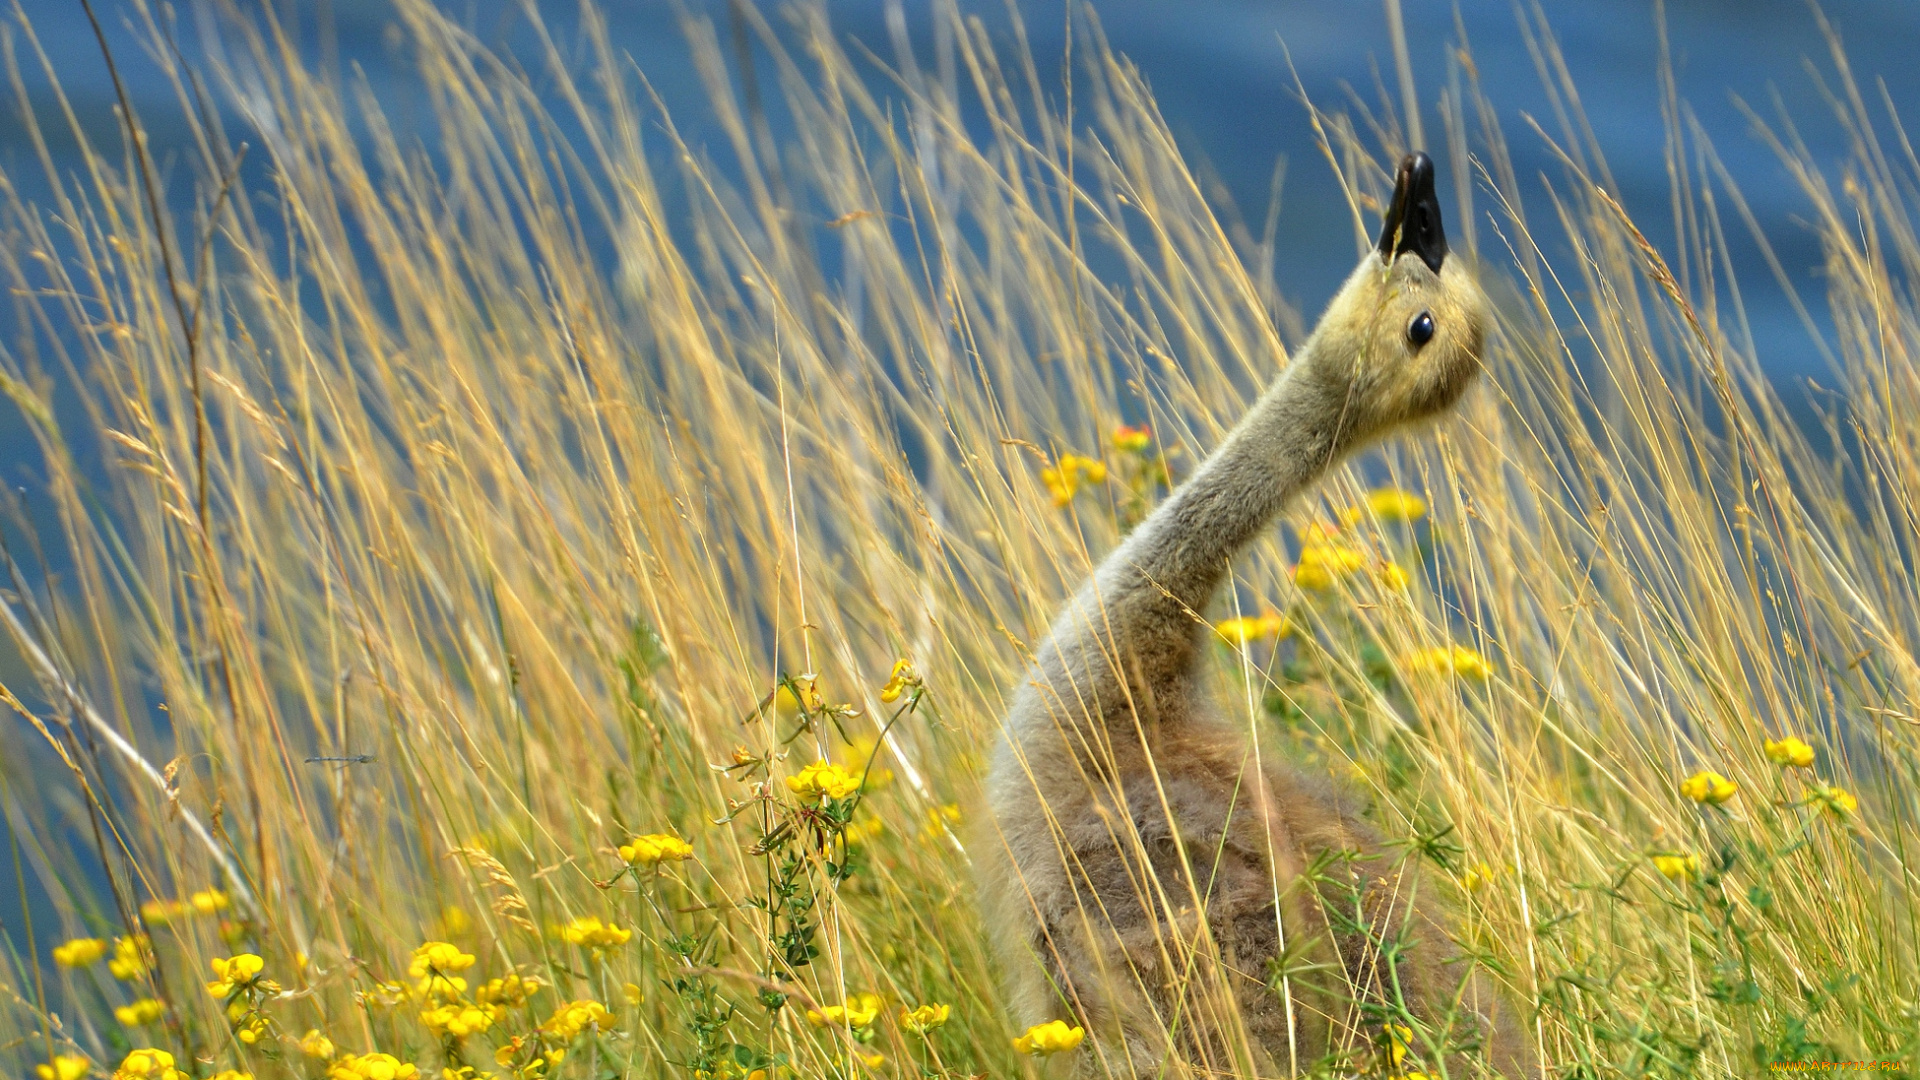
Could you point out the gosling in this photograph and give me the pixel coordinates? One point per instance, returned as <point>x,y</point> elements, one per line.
<point>1199,913</point>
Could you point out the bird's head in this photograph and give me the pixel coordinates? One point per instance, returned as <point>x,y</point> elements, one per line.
<point>1402,340</point>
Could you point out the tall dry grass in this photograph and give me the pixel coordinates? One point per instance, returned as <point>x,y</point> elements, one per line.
<point>400,470</point>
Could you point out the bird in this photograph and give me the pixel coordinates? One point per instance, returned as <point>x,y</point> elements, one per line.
<point>1200,907</point>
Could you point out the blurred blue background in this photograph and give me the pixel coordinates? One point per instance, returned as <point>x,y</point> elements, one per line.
<point>1220,71</point>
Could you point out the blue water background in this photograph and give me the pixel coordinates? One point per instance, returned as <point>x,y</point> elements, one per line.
<point>1220,71</point>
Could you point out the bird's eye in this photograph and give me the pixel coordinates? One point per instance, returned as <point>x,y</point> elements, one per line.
<point>1420,330</point>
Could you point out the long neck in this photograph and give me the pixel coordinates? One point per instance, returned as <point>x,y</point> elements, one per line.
<point>1130,636</point>
<point>1180,553</point>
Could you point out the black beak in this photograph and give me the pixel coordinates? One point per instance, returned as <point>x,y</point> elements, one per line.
<point>1413,221</point>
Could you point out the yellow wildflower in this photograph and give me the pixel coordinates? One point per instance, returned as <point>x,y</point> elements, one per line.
<point>232,1074</point>
<point>234,973</point>
<point>1399,1041</point>
<point>823,779</point>
<point>388,994</point>
<point>940,819</point>
<point>903,678</point>
<point>925,1018</point>
<point>144,1011</point>
<point>1677,867</point>
<point>64,1067</point>
<point>80,952</point>
<point>1246,628</point>
<point>633,993</point>
<point>434,964</point>
<point>589,931</point>
<point>797,694</point>
<point>859,832</point>
<point>458,1019</point>
<point>1393,504</point>
<point>1790,751</point>
<point>208,901</point>
<point>1708,788</point>
<point>1469,664</point>
<point>161,912</point>
<point>249,1024</point>
<point>575,1017</point>
<point>1238,630</point>
<point>1132,440</point>
<point>148,1064</point>
<point>372,1067</point>
<point>859,1012</point>
<point>655,848</point>
<point>1052,1037</point>
<point>537,1062</point>
<point>454,920</point>
<point>438,956</point>
<point>1392,576</point>
<point>1323,564</point>
<point>1475,877</point>
<point>1063,480</point>
<point>132,956</point>
<point>512,990</point>
<point>1838,800</point>
<point>1060,484</point>
<point>314,1044</point>
<point>1452,659</point>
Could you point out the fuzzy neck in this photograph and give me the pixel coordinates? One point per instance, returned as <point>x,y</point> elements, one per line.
<point>1177,558</point>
